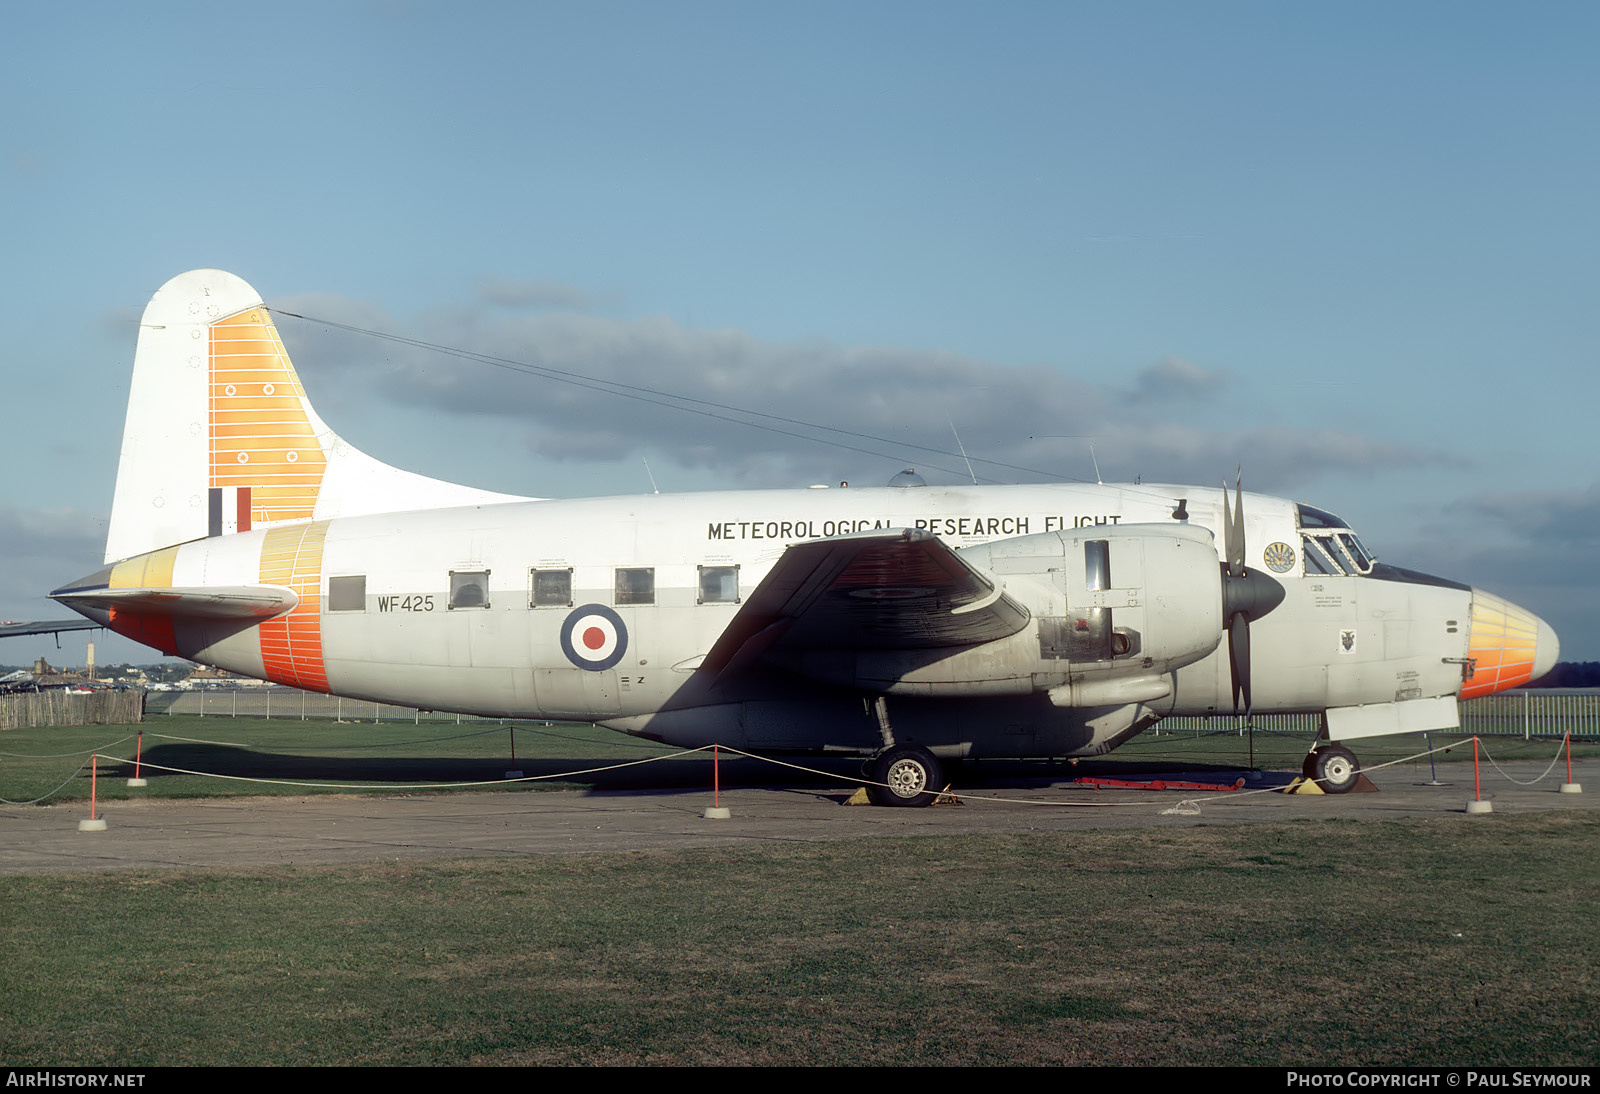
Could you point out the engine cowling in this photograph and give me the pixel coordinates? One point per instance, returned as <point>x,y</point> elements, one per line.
<point>1115,611</point>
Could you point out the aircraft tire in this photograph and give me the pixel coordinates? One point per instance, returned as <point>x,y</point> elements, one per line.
<point>1335,769</point>
<point>910,776</point>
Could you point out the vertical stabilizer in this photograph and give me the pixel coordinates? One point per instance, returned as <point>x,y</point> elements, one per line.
<point>221,438</point>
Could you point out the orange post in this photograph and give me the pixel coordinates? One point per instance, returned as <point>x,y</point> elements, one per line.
<point>138,754</point>
<point>94,778</point>
<point>716,810</point>
<point>1477,784</point>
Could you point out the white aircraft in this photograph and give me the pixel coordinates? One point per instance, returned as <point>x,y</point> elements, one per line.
<point>910,623</point>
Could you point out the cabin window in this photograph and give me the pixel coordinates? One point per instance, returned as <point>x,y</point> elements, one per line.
<point>551,588</point>
<point>347,594</point>
<point>719,585</point>
<point>636,586</point>
<point>469,589</point>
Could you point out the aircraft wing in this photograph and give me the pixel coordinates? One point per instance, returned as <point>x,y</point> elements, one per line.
<point>900,589</point>
<point>47,626</point>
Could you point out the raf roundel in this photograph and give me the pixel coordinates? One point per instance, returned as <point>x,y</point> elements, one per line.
<point>593,637</point>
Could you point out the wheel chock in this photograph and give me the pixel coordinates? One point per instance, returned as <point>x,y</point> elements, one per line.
<point>1303,785</point>
<point>945,798</point>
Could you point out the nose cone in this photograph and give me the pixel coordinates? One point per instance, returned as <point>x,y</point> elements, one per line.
<point>1547,650</point>
<point>1509,646</point>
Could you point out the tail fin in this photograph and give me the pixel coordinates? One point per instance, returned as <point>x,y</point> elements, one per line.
<point>220,436</point>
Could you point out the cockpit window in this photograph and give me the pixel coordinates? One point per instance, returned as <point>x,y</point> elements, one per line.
<point>1317,562</point>
<point>1312,517</point>
<point>1357,553</point>
<point>1339,553</point>
<point>1329,546</point>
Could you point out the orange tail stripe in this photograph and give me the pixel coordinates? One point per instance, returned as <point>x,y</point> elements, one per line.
<point>291,645</point>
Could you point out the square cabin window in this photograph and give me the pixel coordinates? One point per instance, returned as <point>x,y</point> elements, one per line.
<point>719,585</point>
<point>347,594</point>
<point>469,589</point>
<point>636,586</point>
<point>552,588</point>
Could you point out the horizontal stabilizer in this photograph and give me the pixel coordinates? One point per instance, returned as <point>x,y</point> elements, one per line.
<point>210,602</point>
<point>47,626</point>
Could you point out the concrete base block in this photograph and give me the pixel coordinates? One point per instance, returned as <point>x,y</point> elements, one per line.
<point>1480,807</point>
<point>138,782</point>
<point>87,825</point>
<point>1572,788</point>
<point>718,812</point>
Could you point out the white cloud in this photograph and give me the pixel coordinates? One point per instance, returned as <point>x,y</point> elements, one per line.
<point>1569,517</point>
<point>1173,378</point>
<point>583,387</point>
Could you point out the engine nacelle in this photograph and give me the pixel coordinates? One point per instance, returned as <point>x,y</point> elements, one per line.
<point>1115,610</point>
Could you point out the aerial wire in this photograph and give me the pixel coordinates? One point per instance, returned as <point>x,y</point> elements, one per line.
<point>633,391</point>
<point>674,400</point>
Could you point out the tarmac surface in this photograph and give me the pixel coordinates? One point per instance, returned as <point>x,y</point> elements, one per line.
<point>259,831</point>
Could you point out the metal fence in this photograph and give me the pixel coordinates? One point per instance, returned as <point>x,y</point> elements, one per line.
<point>1544,712</point>
<point>288,703</point>
<point>1541,713</point>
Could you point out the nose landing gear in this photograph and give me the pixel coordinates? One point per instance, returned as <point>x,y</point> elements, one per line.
<point>1334,768</point>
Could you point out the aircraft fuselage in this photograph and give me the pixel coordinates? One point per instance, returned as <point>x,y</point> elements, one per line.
<point>604,609</point>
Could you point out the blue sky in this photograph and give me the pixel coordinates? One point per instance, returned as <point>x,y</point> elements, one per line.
<point>1352,248</point>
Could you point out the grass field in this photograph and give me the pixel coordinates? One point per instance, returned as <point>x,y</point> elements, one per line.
<point>51,764</point>
<point>1441,941</point>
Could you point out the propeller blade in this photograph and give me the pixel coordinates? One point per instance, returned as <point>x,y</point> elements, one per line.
<point>1236,528</point>
<point>1227,530</point>
<point>1246,594</point>
<point>1239,661</point>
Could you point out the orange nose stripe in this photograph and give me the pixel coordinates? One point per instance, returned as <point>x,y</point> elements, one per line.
<point>1503,641</point>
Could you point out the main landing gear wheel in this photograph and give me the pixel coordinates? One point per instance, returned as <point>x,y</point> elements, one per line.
<point>1334,768</point>
<point>910,777</point>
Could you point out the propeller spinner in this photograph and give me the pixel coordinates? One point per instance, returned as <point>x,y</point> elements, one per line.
<point>1247,594</point>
